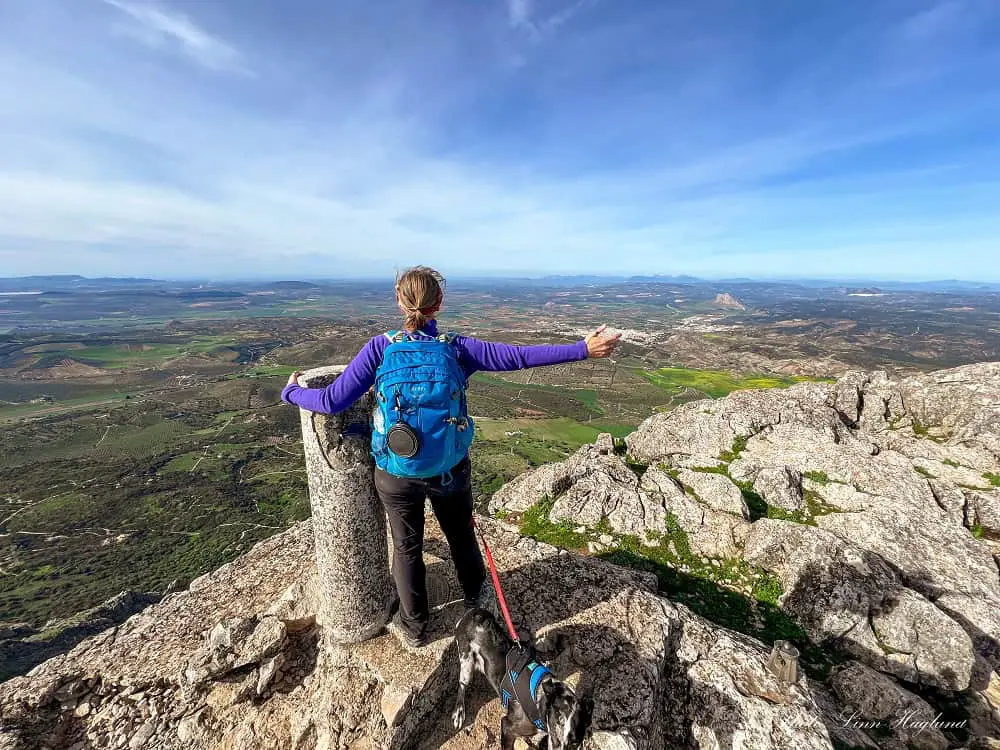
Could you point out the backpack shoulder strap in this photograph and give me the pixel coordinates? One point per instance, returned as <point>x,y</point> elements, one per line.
<point>396,336</point>
<point>448,337</point>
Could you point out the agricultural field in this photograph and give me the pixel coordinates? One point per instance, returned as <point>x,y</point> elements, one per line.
<point>681,381</point>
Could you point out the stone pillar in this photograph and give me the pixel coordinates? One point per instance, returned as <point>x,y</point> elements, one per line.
<point>352,555</point>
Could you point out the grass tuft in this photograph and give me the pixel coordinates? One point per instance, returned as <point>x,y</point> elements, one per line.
<point>820,477</point>
<point>733,453</point>
<point>537,524</point>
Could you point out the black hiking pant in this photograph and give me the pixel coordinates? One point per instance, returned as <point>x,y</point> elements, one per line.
<point>403,498</point>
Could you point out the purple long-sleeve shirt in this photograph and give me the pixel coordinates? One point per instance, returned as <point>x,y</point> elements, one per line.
<point>473,355</point>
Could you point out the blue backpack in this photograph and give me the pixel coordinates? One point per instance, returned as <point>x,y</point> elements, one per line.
<point>421,422</point>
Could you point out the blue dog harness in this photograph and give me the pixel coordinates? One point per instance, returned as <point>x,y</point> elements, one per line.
<point>521,682</point>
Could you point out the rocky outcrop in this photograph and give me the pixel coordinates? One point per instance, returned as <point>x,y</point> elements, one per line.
<point>872,699</point>
<point>589,486</point>
<point>854,601</point>
<point>22,647</point>
<point>237,662</point>
<point>881,503</point>
<point>725,299</point>
<point>711,532</point>
<point>779,486</point>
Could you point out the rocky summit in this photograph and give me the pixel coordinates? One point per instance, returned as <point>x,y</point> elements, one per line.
<point>859,519</point>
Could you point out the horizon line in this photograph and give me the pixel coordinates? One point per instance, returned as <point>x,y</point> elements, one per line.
<point>677,278</point>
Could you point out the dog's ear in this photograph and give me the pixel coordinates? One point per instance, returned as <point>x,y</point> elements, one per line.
<point>584,717</point>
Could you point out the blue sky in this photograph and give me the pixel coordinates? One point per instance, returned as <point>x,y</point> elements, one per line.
<point>248,138</point>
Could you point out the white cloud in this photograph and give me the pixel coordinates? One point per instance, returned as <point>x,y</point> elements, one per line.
<point>160,28</point>
<point>523,15</point>
<point>519,13</point>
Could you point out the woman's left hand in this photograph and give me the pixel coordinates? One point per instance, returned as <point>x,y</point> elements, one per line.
<point>294,378</point>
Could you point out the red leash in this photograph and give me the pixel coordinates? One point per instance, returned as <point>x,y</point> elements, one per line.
<point>496,584</point>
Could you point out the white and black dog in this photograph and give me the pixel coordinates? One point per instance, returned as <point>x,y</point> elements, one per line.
<point>539,707</point>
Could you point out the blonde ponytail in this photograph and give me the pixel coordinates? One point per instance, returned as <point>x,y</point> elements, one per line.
<point>419,292</point>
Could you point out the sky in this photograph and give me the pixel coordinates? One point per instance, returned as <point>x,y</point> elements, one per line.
<point>341,138</point>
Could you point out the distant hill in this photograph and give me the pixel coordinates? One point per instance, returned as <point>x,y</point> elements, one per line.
<point>292,285</point>
<point>64,282</point>
<point>727,300</point>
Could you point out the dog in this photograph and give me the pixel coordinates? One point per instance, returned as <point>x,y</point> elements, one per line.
<point>555,717</point>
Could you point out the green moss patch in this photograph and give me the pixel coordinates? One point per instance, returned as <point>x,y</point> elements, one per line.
<point>733,453</point>
<point>716,590</point>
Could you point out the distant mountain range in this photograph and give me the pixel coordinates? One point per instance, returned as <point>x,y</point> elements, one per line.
<point>59,282</point>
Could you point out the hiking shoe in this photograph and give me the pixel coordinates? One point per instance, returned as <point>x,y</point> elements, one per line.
<point>414,641</point>
<point>411,639</point>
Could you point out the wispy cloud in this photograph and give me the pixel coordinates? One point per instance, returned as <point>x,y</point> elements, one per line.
<point>519,13</point>
<point>940,18</point>
<point>524,15</point>
<point>160,28</point>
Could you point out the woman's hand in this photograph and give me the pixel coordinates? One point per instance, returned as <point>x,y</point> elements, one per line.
<point>601,346</point>
<point>294,379</point>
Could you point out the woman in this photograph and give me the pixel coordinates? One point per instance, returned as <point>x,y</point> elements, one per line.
<point>420,294</point>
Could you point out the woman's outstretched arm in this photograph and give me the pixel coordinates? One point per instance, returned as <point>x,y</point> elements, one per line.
<point>357,378</point>
<point>494,357</point>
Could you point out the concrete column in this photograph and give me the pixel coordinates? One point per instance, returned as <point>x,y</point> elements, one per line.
<point>352,555</point>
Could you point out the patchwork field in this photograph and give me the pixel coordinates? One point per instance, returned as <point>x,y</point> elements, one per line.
<point>680,381</point>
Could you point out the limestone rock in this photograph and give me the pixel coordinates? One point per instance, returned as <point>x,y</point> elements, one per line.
<point>605,444</point>
<point>935,558</point>
<point>588,487</point>
<point>961,402</point>
<point>871,697</point>
<point>296,608</point>
<point>732,695</point>
<point>780,486</point>
<point>601,487</point>
<point>270,670</point>
<point>899,468</point>
<point>847,396</point>
<point>266,641</point>
<point>983,510</point>
<point>843,497</point>
<point>523,491</point>
<point>710,428</point>
<point>394,704</point>
<point>842,595</point>
<point>744,469</point>
<point>716,491</point>
<point>711,533</point>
